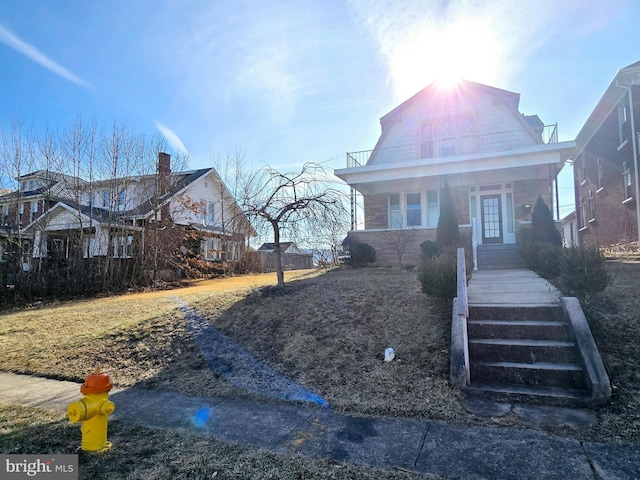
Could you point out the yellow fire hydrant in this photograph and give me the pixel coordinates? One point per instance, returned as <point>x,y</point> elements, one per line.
<point>93,410</point>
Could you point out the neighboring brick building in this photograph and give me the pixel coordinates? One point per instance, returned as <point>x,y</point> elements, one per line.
<point>606,165</point>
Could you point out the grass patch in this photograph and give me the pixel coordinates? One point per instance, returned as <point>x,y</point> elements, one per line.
<point>145,454</point>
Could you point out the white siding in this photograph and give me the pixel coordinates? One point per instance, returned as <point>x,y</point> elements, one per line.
<point>496,127</point>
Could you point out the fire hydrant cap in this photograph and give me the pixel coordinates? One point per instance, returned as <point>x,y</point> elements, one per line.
<point>96,383</point>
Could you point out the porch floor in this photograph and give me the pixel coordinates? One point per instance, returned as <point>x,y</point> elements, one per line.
<point>511,287</point>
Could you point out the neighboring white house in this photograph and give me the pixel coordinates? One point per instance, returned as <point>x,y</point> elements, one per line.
<point>124,217</point>
<point>570,230</point>
<point>495,159</point>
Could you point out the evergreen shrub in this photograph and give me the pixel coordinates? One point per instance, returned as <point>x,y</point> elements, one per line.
<point>437,276</point>
<point>362,254</point>
<point>584,272</point>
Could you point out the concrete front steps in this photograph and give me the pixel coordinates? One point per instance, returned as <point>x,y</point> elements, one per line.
<point>500,257</point>
<point>526,354</point>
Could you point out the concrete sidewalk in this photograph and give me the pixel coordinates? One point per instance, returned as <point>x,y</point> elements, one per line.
<point>422,446</point>
<point>511,287</point>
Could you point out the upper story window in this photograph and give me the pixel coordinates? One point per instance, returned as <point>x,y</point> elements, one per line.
<point>600,173</point>
<point>106,198</point>
<point>583,169</point>
<point>624,127</point>
<point>121,199</point>
<point>426,140</point>
<point>448,136</point>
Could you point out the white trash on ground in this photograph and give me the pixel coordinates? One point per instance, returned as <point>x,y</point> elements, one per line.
<point>389,354</point>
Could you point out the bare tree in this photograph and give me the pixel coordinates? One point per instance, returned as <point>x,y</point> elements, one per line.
<point>397,240</point>
<point>292,201</point>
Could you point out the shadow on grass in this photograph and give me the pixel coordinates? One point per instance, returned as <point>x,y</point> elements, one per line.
<point>237,366</point>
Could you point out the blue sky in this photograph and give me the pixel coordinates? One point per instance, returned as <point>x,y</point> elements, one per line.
<point>290,81</point>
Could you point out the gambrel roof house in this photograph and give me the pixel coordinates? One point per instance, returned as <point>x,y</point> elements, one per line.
<point>605,165</point>
<point>495,159</point>
<point>111,218</point>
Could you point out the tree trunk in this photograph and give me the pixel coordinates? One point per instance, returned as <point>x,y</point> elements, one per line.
<point>278,252</point>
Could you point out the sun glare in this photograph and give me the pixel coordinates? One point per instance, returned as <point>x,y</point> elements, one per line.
<point>445,53</point>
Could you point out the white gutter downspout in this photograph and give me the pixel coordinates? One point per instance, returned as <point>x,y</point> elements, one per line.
<point>634,143</point>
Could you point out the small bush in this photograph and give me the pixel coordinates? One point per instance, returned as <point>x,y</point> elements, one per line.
<point>362,254</point>
<point>584,272</point>
<point>543,258</point>
<point>429,249</point>
<point>437,276</point>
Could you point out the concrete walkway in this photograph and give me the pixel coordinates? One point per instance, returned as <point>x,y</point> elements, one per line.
<point>511,287</point>
<point>422,446</point>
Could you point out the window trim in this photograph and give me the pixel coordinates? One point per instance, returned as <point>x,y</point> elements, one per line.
<point>403,209</point>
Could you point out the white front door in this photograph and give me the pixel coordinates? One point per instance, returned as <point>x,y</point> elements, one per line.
<point>493,209</point>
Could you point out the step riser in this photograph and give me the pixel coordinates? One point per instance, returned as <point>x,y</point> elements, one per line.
<point>522,353</point>
<point>500,258</point>
<point>483,374</point>
<point>564,398</point>
<point>516,313</point>
<point>519,332</point>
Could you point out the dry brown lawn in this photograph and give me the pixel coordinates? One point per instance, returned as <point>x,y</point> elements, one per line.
<point>327,333</point>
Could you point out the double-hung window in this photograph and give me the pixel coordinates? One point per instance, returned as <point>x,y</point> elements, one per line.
<point>600,173</point>
<point>433,209</point>
<point>447,137</point>
<point>121,200</point>
<point>582,213</point>
<point>34,210</point>
<point>395,212</point>
<point>624,127</point>
<point>426,140</point>
<point>467,134</point>
<point>626,181</point>
<point>212,213</point>
<point>414,210</point>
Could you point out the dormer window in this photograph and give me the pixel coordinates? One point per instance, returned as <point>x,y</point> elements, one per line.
<point>448,136</point>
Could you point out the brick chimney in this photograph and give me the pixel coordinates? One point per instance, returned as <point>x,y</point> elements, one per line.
<point>164,173</point>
